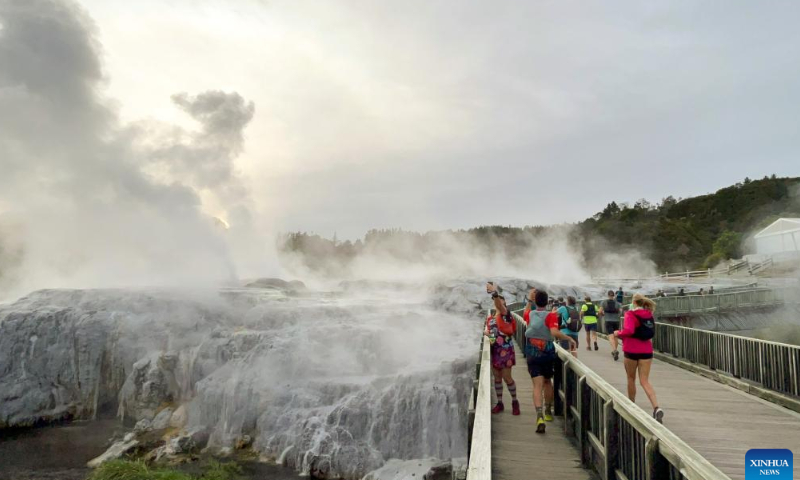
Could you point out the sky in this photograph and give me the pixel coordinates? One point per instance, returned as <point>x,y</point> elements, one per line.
<point>342,116</point>
<point>441,114</point>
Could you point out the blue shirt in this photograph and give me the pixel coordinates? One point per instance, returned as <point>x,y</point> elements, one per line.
<point>563,315</point>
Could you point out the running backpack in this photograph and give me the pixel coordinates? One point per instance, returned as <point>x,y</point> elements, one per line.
<point>611,306</point>
<point>573,323</point>
<point>647,327</point>
<point>591,311</point>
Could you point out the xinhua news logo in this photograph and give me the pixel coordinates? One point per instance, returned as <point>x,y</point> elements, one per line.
<point>775,463</point>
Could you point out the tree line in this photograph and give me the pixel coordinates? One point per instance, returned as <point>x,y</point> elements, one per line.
<point>677,234</point>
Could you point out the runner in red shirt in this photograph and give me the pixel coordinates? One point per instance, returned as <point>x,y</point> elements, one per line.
<point>540,351</point>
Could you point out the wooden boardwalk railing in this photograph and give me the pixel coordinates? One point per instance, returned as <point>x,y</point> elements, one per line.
<point>694,304</point>
<point>615,437</point>
<point>479,465</point>
<point>771,365</point>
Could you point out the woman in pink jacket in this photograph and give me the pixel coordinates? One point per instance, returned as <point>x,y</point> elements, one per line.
<point>637,333</point>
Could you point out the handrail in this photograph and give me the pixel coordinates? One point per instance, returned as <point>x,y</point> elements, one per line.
<point>616,437</point>
<point>676,305</point>
<point>757,267</point>
<point>687,274</point>
<point>479,466</point>
<point>772,365</point>
<point>735,267</point>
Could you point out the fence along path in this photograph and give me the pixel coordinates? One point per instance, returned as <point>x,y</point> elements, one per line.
<point>600,435</point>
<point>675,305</point>
<point>718,421</point>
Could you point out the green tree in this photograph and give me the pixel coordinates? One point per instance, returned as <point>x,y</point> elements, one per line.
<point>728,245</point>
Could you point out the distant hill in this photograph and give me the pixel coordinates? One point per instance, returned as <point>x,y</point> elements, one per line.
<point>698,232</point>
<point>677,234</point>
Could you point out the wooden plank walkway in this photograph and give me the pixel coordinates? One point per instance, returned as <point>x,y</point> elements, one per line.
<point>721,423</point>
<point>518,452</point>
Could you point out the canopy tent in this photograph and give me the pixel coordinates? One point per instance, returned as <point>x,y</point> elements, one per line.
<point>782,236</point>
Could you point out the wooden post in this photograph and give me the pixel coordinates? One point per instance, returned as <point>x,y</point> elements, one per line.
<point>651,463</point>
<point>569,426</point>
<point>610,440</point>
<point>480,450</point>
<point>582,422</point>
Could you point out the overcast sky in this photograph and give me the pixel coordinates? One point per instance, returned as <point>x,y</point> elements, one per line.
<point>449,114</point>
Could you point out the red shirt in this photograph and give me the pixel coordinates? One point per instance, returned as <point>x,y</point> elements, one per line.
<point>550,321</point>
<point>507,325</point>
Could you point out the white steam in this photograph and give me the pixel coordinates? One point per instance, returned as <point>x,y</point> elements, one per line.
<point>555,254</point>
<point>86,200</point>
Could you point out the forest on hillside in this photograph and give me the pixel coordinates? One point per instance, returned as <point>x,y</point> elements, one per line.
<point>676,234</point>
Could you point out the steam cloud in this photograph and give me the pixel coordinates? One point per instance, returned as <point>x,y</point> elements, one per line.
<point>555,254</point>
<point>87,200</point>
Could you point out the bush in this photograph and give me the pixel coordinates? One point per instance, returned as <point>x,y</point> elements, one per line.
<point>727,244</point>
<point>138,470</point>
<point>129,470</point>
<point>713,260</point>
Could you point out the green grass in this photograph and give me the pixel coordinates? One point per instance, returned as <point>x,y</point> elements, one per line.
<point>137,470</point>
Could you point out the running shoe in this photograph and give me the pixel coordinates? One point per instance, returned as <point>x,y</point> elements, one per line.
<point>658,414</point>
<point>615,354</point>
<point>515,407</point>
<point>595,347</point>
<point>548,414</point>
<point>498,408</point>
<point>540,425</point>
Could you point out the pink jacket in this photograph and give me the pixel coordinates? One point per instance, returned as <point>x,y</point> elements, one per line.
<point>631,344</point>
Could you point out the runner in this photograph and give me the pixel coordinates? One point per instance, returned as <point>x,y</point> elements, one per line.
<point>620,295</point>
<point>637,333</point>
<point>570,324</point>
<point>540,352</point>
<point>589,318</point>
<point>500,329</point>
<point>610,311</point>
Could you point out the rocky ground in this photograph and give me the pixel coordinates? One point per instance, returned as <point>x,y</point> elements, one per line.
<point>330,384</point>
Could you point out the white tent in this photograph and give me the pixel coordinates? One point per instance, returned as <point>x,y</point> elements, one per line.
<point>782,236</point>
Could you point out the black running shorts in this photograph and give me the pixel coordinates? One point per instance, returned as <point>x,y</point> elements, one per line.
<point>541,366</point>
<point>638,356</point>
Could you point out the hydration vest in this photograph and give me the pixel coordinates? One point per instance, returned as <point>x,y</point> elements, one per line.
<point>537,327</point>
<point>591,310</point>
<point>573,323</point>
<point>611,306</point>
<point>647,325</point>
<point>538,339</point>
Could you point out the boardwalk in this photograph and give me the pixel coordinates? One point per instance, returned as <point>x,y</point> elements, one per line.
<point>719,422</point>
<point>518,452</point>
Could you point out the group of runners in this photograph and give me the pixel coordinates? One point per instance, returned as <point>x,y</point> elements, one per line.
<point>549,320</point>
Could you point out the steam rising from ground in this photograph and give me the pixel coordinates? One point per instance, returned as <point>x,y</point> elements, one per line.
<point>86,200</point>
<point>557,254</point>
<point>328,383</point>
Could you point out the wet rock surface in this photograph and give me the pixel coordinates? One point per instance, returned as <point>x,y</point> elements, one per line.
<point>330,385</point>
